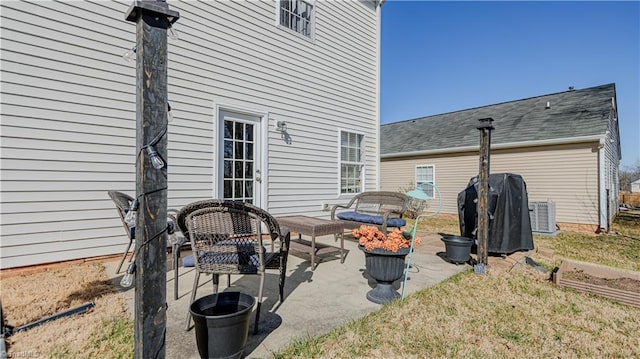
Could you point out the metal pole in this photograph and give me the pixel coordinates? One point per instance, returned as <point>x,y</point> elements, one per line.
<point>485,128</point>
<point>152,21</point>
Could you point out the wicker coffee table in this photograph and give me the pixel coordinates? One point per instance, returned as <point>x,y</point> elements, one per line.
<point>311,226</point>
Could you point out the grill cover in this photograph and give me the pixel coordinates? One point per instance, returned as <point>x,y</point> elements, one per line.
<point>508,208</point>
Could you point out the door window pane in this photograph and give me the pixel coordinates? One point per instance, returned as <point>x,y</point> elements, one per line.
<point>228,129</point>
<point>239,134</point>
<point>249,133</point>
<point>248,169</point>
<point>237,189</point>
<point>239,150</point>
<point>248,189</point>
<point>249,151</point>
<point>228,189</point>
<point>228,149</point>
<point>228,171</point>
<point>238,170</point>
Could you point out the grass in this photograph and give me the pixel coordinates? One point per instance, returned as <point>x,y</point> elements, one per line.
<point>620,248</point>
<point>514,315</point>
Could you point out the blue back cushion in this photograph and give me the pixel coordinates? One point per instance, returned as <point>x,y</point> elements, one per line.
<point>369,218</point>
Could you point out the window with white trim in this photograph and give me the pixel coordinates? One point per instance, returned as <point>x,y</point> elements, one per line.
<point>297,15</point>
<point>425,179</point>
<point>351,162</point>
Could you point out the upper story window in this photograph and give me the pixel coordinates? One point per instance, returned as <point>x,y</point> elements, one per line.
<point>351,162</point>
<point>425,179</point>
<point>297,15</point>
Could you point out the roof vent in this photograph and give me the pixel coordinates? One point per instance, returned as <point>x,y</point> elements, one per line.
<point>548,106</point>
<point>571,88</point>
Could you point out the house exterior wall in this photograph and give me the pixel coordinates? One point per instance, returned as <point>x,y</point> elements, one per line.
<point>611,146</point>
<point>564,174</point>
<point>635,186</point>
<point>68,112</point>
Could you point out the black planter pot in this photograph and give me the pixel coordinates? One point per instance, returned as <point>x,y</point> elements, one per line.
<point>457,249</point>
<point>385,267</point>
<point>222,324</point>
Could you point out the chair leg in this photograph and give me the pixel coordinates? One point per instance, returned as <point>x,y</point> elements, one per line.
<point>255,324</point>
<point>124,256</point>
<point>176,257</point>
<point>283,276</point>
<point>281,285</point>
<point>215,281</point>
<point>193,297</point>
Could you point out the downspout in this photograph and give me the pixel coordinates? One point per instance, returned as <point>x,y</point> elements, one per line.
<point>378,36</point>
<point>602,191</point>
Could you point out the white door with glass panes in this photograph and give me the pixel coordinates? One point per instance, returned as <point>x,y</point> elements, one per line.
<point>239,157</point>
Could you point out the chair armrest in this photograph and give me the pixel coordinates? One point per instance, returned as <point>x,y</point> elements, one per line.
<point>333,209</point>
<point>285,237</point>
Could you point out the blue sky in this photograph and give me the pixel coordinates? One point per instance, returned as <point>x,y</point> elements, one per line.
<point>447,56</point>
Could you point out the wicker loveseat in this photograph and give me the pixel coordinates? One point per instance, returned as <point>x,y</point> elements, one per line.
<point>379,208</point>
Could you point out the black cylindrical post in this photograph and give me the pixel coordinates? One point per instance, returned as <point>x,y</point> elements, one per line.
<point>485,128</point>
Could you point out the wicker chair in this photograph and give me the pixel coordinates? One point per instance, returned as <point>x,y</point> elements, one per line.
<point>229,237</point>
<point>123,203</point>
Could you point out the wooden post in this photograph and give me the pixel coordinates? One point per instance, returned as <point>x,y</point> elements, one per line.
<point>152,21</point>
<point>485,128</point>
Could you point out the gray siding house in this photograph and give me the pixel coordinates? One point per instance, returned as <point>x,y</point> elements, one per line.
<point>293,82</point>
<point>565,145</point>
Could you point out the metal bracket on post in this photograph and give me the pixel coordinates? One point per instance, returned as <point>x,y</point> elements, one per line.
<point>152,19</point>
<point>485,128</point>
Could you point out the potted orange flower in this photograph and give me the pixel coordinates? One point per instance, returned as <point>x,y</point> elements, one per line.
<point>370,237</point>
<point>384,259</point>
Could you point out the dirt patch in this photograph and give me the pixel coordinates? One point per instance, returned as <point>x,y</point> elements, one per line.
<point>627,284</point>
<point>28,298</point>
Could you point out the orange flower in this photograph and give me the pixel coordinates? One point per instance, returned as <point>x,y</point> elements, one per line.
<point>370,237</point>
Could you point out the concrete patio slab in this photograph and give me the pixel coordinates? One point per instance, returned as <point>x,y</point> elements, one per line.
<point>315,301</point>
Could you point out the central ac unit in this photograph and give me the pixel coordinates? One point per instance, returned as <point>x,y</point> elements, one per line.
<point>543,216</point>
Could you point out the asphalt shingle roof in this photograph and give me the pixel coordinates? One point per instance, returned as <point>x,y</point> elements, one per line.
<point>573,113</point>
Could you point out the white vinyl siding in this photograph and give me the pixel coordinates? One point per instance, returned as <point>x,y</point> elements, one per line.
<point>68,111</point>
<point>566,175</point>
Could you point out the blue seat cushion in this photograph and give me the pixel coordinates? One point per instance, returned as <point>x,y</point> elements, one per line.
<point>370,218</point>
<point>245,255</point>
<point>188,261</point>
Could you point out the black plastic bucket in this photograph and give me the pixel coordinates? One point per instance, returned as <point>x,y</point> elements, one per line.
<point>457,249</point>
<point>222,324</point>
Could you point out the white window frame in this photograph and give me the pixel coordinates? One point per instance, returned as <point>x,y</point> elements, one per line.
<point>312,18</point>
<point>430,191</point>
<point>361,163</point>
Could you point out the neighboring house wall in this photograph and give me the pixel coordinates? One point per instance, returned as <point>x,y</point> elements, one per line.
<point>68,112</point>
<point>535,137</point>
<point>635,186</point>
<point>564,174</point>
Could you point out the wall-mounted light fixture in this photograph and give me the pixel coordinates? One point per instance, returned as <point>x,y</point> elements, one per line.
<point>281,126</point>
